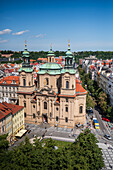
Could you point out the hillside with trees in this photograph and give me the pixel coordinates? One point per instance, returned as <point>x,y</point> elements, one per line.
<point>38,54</point>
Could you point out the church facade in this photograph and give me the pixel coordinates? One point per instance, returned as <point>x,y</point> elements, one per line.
<point>57,97</point>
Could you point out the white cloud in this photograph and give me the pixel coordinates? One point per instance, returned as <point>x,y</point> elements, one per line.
<point>40,35</point>
<point>3,41</point>
<point>6,31</point>
<point>20,33</point>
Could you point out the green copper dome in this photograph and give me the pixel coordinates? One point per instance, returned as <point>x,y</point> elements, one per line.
<point>25,53</point>
<point>50,53</point>
<point>26,69</point>
<point>69,53</point>
<point>51,66</point>
<point>71,71</point>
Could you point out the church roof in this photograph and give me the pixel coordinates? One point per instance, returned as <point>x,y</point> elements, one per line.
<point>25,53</point>
<point>9,80</point>
<point>51,52</point>
<point>26,69</point>
<point>79,88</point>
<point>71,71</point>
<point>69,53</point>
<point>50,68</point>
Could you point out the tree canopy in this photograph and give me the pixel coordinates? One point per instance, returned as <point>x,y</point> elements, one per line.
<point>83,154</point>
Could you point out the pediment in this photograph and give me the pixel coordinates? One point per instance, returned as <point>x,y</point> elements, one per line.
<point>4,82</point>
<point>13,82</point>
<point>46,91</point>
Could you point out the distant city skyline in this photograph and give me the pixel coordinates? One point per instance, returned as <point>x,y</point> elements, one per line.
<point>87,24</point>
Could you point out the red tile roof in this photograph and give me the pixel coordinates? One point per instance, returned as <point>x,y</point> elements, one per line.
<point>6,65</point>
<point>12,65</point>
<point>9,80</point>
<point>79,88</point>
<point>13,108</point>
<point>4,111</point>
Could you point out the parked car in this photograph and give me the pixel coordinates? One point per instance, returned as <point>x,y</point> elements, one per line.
<point>107,137</point>
<point>105,119</point>
<point>79,125</point>
<point>29,130</point>
<point>89,110</point>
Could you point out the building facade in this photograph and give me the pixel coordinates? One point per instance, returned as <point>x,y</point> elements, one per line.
<point>11,119</point>
<point>5,120</point>
<point>8,89</point>
<point>57,97</point>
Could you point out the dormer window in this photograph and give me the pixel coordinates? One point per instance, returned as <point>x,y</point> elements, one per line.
<point>4,82</point>
<point>24,82</point>
<point>67,84</point>
<point>13,82</point>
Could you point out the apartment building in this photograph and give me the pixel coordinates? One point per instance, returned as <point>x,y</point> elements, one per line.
<point>8,89</point>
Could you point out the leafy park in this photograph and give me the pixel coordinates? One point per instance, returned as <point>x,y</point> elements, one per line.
<point>83,154</point>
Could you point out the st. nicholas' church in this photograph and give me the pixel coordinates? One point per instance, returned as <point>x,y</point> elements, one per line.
<point>56,97</point>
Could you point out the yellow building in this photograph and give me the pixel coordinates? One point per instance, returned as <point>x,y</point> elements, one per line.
<point>17,118</point>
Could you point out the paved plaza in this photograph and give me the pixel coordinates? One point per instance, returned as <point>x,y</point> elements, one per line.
<point>107,151</point>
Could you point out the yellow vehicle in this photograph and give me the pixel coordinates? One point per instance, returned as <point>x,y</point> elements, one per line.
<point>96,126</point>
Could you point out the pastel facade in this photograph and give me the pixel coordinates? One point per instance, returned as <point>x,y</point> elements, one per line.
<point>5,120</point>
<point>8,89</point>
<point>17,118</point>
<point>11,119</point>
<point>57,97</point>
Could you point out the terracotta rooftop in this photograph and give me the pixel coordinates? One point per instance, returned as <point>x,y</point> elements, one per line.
<point>13,108</point>
<point>4,111</point>
<point>79,88</point>
<point>42,59</point>
<point>9,80</point>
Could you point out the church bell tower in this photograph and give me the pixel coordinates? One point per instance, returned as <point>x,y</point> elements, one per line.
<point>26,76</point>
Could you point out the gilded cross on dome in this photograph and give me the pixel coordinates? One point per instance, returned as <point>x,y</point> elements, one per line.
<point>51,46</point>
<point>68,43</point>
<point>25,43</point>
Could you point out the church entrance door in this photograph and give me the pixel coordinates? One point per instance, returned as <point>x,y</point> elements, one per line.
<point>45,118</point>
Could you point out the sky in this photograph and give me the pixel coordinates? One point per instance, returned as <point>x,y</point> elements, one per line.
<point>88,24</point>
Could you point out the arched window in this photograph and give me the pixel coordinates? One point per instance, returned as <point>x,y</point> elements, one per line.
<point>24,82</point>
<point>47,81</point>
<point>66,119</point>
<point>45,105</point>
<point>67,84</point>
<point>50,115</point>
<point>33,115</point>
<point>50,59</point>
<point>80,109</point>
<point>56,118</point>
<point>70,62</point>
<point>24,114</point>
<point>66,109</point>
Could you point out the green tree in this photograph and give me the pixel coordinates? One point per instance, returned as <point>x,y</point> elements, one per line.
<point>90,102</point>
<point>102,101</point>
<point>4,143</point>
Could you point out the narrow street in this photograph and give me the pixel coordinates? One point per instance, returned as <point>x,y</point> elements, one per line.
<point>103,130</point>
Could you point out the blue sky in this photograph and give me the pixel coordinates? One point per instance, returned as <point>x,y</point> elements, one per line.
<point>88,24</point>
